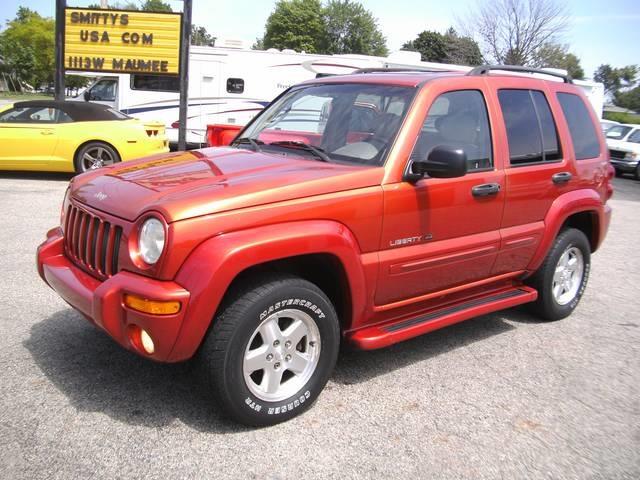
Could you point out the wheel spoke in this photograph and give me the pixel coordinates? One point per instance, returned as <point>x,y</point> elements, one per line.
<point>255,359</point>
<point>271,379</point>
<point>99,153</point>
<point>295,332</point>
<point>270,331</point>
<point>298,363</point>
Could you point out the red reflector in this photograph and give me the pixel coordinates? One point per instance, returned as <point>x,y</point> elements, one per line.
<point>175,124</point>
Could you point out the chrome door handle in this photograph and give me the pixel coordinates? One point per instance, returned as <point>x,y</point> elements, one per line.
<point>562,177</point>
<point>485,189</point>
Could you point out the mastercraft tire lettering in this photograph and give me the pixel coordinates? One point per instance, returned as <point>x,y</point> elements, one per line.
<point>271,350</point>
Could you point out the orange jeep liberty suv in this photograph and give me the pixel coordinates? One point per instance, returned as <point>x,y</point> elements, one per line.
<point>366,208</point>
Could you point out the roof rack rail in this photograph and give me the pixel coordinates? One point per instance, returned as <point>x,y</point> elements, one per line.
<point>397,70</point>
<point>485,69</point>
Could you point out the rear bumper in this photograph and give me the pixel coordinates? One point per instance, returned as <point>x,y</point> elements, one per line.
<point>102,302</point>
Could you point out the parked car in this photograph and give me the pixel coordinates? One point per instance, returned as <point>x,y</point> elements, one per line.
<point>462,195</point>
<point>63,136</point>
<point>607,124</point>
<point>624,148</point>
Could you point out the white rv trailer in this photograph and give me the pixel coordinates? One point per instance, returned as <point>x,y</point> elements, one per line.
<point>229,85</point>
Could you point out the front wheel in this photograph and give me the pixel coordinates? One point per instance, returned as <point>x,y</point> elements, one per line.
<point>271,350</point>
<point>562,278</point>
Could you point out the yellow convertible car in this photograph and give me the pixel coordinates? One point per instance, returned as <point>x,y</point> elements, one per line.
<point>62,136</point>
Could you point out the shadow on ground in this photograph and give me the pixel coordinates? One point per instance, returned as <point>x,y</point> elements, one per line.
<point>97,375</point>
<point>37,175</point>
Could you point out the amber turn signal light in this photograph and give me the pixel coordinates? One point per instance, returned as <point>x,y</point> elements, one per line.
<point>154,307</point>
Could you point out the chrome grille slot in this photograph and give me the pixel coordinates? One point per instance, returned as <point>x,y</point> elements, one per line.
<point>92,243</point>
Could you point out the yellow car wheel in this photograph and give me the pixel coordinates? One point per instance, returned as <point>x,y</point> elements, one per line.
<point>93,155</point>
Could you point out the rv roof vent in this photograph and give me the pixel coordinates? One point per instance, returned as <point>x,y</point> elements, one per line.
<point>230,43</point>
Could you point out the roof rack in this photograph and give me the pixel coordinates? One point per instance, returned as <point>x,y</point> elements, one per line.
<point>397,70</point>
<point>485,69</point>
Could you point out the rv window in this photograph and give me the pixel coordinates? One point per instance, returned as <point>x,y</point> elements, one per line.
<point>156,83</point>
<point>235,85</point>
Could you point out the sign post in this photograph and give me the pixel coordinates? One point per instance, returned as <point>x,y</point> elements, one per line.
<point>184,75</point>
<point>58,80</point>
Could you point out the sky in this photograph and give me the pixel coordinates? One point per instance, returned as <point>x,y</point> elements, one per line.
<point>601,31</point>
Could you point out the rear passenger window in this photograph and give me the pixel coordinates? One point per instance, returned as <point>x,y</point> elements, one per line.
<point>531,130</point>
<point>583,133</point>
<point>458,119</point>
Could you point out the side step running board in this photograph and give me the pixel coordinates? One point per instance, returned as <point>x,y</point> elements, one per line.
<point>381,336</point>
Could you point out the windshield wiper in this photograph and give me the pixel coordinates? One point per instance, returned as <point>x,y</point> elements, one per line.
<point>317,151</point>
<point>255,144</point>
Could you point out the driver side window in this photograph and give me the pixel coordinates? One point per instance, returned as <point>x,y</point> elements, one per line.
<point>457,119</point>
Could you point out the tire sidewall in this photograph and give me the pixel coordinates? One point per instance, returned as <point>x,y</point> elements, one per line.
<point>77,162</point>
<point>260,412</point>
<point>569,238</point>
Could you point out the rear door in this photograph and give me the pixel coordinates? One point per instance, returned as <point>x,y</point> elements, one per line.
<point>537,166</point>
<point>441,233</point>
<point>28,137</point>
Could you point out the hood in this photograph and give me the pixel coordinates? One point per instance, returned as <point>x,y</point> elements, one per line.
<point>188,184</point>
<point>621,145</point>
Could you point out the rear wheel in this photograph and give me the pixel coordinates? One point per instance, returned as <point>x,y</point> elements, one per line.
<point>618,173</point>
<point>271,350</point>
<point>637,172</point>
<point>562,278</point>
<point>94,155</point>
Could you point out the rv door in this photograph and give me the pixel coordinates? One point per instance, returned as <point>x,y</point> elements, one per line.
<point>104,91</point>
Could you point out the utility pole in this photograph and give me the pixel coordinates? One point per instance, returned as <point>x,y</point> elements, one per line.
<point>185,41</point>
<point>59,74</point>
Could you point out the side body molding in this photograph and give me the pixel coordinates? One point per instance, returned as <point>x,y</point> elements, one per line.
<point>576,201</point>
<point>213,265</point>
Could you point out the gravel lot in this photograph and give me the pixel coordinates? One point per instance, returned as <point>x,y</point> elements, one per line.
<point>502,396</point>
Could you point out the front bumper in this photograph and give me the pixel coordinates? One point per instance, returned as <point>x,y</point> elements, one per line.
<point>628,166</point>
<point>102,302</point>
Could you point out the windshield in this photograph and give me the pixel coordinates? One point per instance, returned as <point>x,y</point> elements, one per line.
<point>354,123</point>
<point>618,132</point>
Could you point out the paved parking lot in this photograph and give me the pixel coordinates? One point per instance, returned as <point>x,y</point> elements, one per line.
<point>502,396</point>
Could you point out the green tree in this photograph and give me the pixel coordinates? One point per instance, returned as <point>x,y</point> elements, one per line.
<point>431,45</point>
<point>556,55</point>
<point>156,6</point>
<point>200,36</point>
<point>614,79</point>
<point>350,28</point>
<point>448,48</point>
<point>628,99</point>
<point>461,50</point>
<point>295,24</point>
<point>27,46</point>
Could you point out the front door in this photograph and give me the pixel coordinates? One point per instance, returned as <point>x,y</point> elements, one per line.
<point>28,137</point>
<point>440,233</point>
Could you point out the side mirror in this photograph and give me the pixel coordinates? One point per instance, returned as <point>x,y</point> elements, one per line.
<point>442,162</point>
<point>87,95</point>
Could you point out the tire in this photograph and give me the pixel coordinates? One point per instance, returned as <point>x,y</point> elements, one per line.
<point>636,174</point>
<point>565,269</point>
<point>94,155</point>
<point>241,368</point>
<point>618,173</point>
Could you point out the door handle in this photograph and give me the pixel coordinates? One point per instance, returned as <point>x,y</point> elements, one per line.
<point>485,189</point>
<point>562,177</point>
<point>46,132</point>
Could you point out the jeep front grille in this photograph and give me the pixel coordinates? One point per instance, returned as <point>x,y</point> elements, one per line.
<point>91,242</point>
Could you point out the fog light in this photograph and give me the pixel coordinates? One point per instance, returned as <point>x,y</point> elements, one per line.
<point>147,342</point>
<point>154,307</point>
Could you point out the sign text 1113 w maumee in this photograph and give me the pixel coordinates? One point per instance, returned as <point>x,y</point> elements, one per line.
<point>122,41</point>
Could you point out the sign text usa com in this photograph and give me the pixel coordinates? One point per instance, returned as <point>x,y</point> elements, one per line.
<point>122,41</point>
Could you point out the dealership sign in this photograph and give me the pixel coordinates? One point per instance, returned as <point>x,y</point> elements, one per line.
<point>122,41</point>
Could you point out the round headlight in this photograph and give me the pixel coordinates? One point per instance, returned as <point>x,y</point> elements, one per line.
<point>151,240</point>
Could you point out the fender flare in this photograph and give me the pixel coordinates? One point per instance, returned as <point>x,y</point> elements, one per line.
<point>214,264</point>
<point>570,203</point>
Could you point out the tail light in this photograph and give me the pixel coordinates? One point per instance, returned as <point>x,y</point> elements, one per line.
<point>220,135</point>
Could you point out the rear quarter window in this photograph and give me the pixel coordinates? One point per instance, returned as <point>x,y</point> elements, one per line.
<point>583,133</point>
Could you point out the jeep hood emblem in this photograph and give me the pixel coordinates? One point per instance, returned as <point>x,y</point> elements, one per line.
<point>100,196</point>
